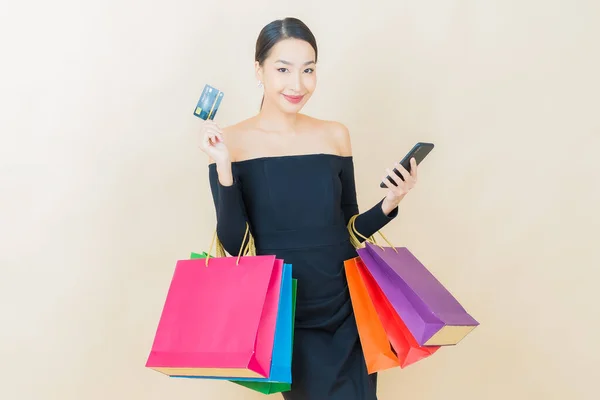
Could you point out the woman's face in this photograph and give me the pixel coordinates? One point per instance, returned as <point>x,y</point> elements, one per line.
<point>289,75</point>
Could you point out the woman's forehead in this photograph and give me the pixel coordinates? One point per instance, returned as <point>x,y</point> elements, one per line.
<point>292,51</point>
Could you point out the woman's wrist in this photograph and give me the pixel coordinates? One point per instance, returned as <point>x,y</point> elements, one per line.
<point>388,205</point>
<point>225,173</point>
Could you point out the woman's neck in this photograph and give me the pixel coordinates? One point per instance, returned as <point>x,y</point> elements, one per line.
<point>271,119</point>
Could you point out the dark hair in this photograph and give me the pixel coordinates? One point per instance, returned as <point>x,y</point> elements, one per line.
<point>272,33</point>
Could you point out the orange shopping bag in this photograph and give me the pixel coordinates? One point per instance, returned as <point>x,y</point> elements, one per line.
<point>376,346</point>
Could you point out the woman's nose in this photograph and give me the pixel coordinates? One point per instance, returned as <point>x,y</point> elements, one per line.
<point>297,83</point>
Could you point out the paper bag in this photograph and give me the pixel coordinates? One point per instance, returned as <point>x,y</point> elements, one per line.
<point>431,313</point>
<point>403,342</point>
<point>376,347</point>
<point>219,318</point>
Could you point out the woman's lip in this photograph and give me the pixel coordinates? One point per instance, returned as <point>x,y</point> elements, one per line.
<point>293,99</point>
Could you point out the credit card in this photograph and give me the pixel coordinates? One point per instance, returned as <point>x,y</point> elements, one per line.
<point>209,102</point>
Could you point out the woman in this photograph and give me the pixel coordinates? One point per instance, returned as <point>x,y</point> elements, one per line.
<point>290,177</point>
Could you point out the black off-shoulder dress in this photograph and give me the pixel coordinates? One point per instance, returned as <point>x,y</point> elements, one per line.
<point>297,207</point>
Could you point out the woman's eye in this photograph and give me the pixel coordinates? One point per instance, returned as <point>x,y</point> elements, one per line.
<point>282,69</point>
<point>309,70</point>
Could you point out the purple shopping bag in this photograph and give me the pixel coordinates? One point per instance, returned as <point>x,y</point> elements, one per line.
<point>429,310</point>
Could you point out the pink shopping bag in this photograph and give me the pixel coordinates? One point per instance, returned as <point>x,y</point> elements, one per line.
<point>219,318</point>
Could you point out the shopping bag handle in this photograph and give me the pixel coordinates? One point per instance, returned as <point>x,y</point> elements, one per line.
<point>248,250</point>
<point>356,243</point>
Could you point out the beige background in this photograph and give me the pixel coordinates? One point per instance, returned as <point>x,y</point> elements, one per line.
<point>103,186</point>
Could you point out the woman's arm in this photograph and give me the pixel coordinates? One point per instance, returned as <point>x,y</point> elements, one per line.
<point>229,206</point>
<point>372,220</point>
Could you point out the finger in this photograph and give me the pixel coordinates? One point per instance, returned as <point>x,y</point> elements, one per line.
<point>210,139</point>
<point>212,124</point>
<point>214,139</point>
<point>205,141</point>
<point>405,174</point>
<point>390,183</point>
<point>213,135</point>
<point>387,183</point>
<point>219,137</point>
<point>413,168</point>
<point>214,131</point>
<point>394,176</point>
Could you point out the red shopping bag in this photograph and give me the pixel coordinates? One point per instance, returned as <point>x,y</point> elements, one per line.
<point>219,318</point>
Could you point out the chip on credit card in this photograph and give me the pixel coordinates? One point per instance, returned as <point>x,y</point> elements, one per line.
<point>209,102</point>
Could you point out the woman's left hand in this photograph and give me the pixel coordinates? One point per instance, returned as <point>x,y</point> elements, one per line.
<point>395,194</point>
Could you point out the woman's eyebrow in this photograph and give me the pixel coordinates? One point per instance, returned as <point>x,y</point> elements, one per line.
<point>289,63</point>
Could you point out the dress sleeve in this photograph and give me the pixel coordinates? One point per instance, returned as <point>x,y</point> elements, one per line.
<point>230,211</point>
<point>368,222</point>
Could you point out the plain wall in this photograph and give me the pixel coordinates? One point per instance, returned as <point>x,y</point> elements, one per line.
<point>103,186</point>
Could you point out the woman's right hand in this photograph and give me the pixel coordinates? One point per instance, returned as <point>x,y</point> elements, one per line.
<point>213,143</point>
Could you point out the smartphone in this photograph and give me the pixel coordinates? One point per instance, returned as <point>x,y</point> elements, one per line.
<point>419,152</point>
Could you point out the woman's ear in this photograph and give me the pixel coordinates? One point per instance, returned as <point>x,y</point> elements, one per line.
<point>258,71</point>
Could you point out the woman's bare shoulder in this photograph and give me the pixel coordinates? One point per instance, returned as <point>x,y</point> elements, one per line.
<point>336,131</point>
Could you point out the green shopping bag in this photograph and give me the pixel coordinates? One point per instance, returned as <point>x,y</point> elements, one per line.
<point>198,255</point>
<point>265,387</point>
